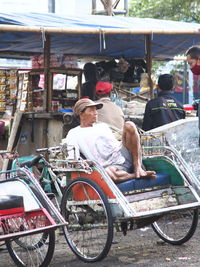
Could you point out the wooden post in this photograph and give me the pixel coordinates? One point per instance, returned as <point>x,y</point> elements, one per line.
<point>109,8</point>
<point>149,62</point>
<point>47,90</point>
<point>13,136</point>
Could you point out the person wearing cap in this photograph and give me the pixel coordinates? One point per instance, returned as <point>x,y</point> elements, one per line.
<point>97,142</point>
<point>164,108</point>
<point>110,113</point>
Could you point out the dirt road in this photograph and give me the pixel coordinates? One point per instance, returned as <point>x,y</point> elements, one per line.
<point>139,248</point>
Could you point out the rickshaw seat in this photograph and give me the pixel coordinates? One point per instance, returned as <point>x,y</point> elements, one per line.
<point>10,204</point>
<point>163,164</point>
<point>166,174</point>
<point>161,179</point>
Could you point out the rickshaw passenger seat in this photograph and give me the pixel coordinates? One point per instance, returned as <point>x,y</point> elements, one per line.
<point>11,204</point>
<point>161,179</point>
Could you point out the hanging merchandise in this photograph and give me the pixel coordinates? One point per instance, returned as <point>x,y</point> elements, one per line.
<point>8,88</point>
<point>2,90</point>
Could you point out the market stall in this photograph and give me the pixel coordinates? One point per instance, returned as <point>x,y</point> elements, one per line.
<point>55,44</point>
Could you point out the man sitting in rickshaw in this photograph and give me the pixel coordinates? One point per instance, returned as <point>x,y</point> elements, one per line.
<point>121,160</point>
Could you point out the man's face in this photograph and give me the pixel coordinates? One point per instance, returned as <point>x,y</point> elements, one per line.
<point>194,64</point>
<point>89,115</point>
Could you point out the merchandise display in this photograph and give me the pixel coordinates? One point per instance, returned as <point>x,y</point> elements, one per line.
<point>8,88</point>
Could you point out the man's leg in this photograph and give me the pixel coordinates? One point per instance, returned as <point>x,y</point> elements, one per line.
<point>119,176</point>
<point>131,140</point>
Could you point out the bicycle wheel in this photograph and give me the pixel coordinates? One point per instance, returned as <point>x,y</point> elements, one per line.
<point>43,236</point>
<point>38,255</point>
<point>40,242</point>
<point>176,227</point>
<point>89,232</point>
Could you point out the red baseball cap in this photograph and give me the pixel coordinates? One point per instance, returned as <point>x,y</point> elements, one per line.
<point>103,87</point>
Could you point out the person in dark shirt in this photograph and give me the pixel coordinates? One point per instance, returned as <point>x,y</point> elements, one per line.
<point>91,77</point>
<point>164,108</point>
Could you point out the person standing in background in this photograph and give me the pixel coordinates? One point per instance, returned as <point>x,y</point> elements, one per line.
<point>164,108</point>
<point>110,113</point>
<point>91,78</point>
<point>193,59</point>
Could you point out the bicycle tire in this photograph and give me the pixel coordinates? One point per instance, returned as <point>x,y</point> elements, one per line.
<point>177,227</point>
<point>39,256</point>
<point>39,243</point>
<point>89,232</point>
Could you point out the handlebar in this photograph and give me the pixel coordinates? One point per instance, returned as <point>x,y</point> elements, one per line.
<point>32,162</point>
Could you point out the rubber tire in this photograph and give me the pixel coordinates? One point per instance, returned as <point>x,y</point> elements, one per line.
<point>182,240</point>
<point>48,257</point>
<point>32,247</point>
<point>107,208</point>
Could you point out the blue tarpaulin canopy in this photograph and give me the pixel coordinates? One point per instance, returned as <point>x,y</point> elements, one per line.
<point>94,35</point>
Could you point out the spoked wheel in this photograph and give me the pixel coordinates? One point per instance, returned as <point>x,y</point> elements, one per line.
<point>32,250</point>
<point>177,227</point>
<point>39,242</point>
<point>89,232</point>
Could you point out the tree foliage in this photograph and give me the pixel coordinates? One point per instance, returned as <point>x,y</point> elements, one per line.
<point>181,10</point>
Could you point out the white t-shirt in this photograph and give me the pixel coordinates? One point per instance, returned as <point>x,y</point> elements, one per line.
<point>95,143</point>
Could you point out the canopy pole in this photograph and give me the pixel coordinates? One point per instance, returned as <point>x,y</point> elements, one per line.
<point>94,7</point>
<point>126,8</point>
<point>148,55</point>
<point>47,90</point>
<point>85,30</point>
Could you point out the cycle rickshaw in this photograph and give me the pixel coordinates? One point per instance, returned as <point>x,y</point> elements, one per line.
<point>28,219</point>
<point>93,205</point>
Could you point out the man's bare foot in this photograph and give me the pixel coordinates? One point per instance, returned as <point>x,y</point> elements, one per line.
<point>119,176</point>
<point>140,173</point>
<point>149,174</point>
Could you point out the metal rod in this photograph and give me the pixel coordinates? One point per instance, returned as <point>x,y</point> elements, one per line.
<point>126,8</point>
<point>51,6</point>
<point>94,7</point>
